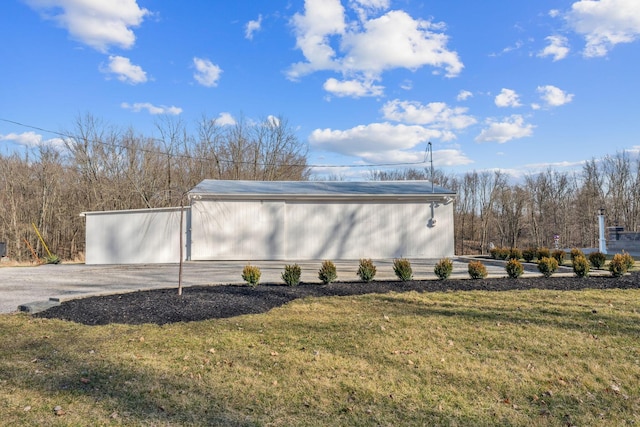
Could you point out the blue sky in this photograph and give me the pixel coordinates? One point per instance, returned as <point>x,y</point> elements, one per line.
<point>496,84</point>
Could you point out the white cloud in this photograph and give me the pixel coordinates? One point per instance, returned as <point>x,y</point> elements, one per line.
<point>379,143</point>
<point>151,109</point>
<point>31,140</point>
<point>225,119</point>
<point>508,98</point>
<point>553,96</point>
<point>396,40</point>
<point>252,27</point>
<point>365,48</point>
<point>321,20</point>
<point>124,70</point>
<point>364,8</point>
<point>365,140</point>
<point>352,88</point>
<point>406,85</point>
<point>450,157</point>
<point>207,73</point>
<point>605,23</point>
<point>435,114</point>
<point>557,48</point>
<point>510,128</point>
<point>463,95</point>
<point>28,139</point>
<point>96,23</point>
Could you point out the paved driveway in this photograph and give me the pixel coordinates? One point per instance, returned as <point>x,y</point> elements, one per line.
<point>22,285</point>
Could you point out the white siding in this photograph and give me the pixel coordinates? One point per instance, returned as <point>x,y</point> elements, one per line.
<point>296,230</point>
<point>371,230</point>
<point>134,237</point>
<point>237,230</point>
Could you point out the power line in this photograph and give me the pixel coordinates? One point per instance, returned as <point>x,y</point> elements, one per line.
<point>207,159</point>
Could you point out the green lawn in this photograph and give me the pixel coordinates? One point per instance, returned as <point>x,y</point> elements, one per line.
<point>458,358</point>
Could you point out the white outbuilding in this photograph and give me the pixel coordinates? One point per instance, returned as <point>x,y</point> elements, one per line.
<point>282,220</point>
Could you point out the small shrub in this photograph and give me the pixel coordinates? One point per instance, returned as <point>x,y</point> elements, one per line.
<point>366,270</point>
<point>629,262</point>
<point>251,275</point>
<point>529,254</point>
<point>503,253</point>
<point>477,270</point>
<point>575,252</point>
<point>443,268</point>
<point>580,266</point>
<point>543,253</point>
<point>291,274</point>
<point>617,266</point>
<point>514,268</point>
<point>494,252</point>
<point>515,253</point>
<point>547,266</point>
<point>327,272</point>
<point>559,256</point>
<point>597,260</point>
<point>402,268</point>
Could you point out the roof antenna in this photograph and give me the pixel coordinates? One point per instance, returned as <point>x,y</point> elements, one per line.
<point>430,148</point>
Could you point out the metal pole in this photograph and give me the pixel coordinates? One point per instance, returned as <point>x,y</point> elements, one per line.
<point>602,241</point>
<point>431,161</point>
<point>181,248</point>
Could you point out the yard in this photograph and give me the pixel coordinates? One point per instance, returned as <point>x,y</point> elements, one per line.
<point>468,357</point>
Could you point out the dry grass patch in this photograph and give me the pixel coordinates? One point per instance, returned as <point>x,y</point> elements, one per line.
<point>460,358</point>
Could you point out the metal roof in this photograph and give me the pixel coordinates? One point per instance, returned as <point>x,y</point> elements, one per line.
<point>213,187</point>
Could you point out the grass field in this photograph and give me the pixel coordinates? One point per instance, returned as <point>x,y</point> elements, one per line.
<point>517,358</point>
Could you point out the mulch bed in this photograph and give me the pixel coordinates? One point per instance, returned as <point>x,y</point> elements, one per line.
<point>164,306</point>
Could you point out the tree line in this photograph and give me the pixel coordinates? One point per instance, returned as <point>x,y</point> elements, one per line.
<point>490,208</point>
<point>103,168</point>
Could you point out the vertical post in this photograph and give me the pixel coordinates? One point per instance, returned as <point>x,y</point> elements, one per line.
<point>602,241</point>
<point>431,161</point>
<point>181,248</point>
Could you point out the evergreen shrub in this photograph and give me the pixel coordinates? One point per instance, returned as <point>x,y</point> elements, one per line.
<point>628,260</point>
<point>547,266</point>
<point>558,255</point>
<point>543,253</point>
<point>514,268</point>
<point>575,252</point>
<point>597,259</point>
<point>291,274</point>
<point>503,253</point>
<point>327,272</point>
<point>366,270</point>
<point>515,253</point>
<point>443,268</point>
<point>529,254</point>
<point>617,265</point>
<point>477,270</point>
<point>402,268</point>
<point>580,266</point>
<point>251,274</point>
